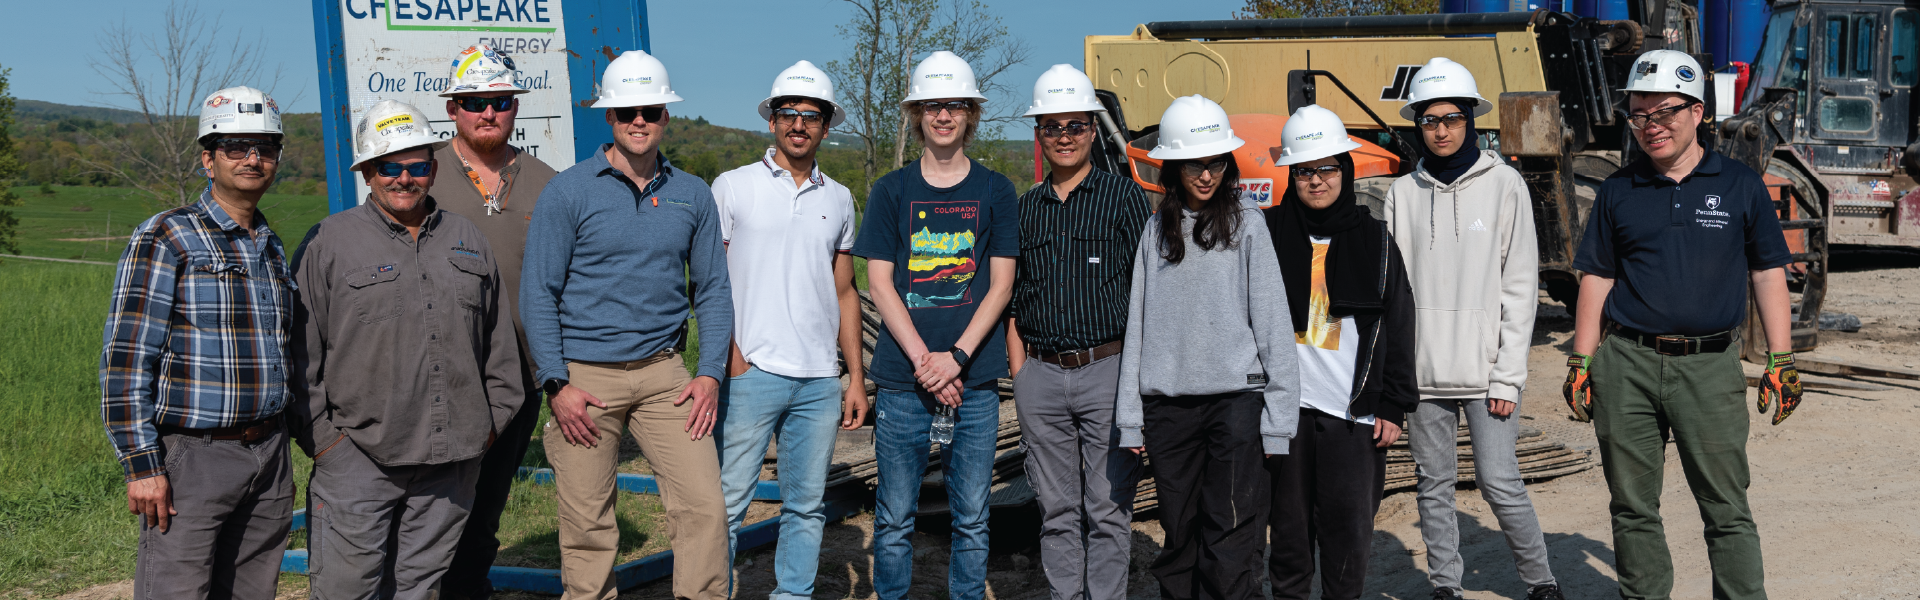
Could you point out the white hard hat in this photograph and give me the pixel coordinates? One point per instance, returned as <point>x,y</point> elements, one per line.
<point>481,69</point>
<point>238,110</point>
<point>807,81</point>
<point>391,126</point>
<point>1063,89</point>
<point>634,79</point>
<point>1194,127</point>
<point>1660,71</point>
<point>1313,133</point>
<point>1443,78</point>
<point>942,75</point>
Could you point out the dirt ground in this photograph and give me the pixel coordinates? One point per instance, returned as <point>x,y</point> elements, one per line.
<point>1833,492</point>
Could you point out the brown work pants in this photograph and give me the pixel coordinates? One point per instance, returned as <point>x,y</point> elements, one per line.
<point>639,396</point>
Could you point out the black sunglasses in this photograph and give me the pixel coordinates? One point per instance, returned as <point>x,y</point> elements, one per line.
<point>1322,173</point>
<point>475,105</point>
<point>652,114</point>
<point>1218,166</point>
<point>237,149</point>
<point>933,107</point>
<point>1071,129</point>
<point>1432,122</point>
<point>784,116</point>
<point>394,169</point>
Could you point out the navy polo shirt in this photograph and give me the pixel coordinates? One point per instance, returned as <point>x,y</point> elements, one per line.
<point>1680,252</point>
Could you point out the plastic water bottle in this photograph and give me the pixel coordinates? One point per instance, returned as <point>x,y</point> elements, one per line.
<point>942,425</point>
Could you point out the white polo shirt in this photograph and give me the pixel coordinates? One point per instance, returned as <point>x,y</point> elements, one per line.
<point>781,242</point>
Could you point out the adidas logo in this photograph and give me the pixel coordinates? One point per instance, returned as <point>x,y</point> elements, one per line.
<point>1477,226</point>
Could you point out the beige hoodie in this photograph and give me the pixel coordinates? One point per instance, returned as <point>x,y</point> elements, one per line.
<point>1471,254</point>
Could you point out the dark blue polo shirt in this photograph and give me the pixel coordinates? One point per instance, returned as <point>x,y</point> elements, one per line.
<point>1680,252</point>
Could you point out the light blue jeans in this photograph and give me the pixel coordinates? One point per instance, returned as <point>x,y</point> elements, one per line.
<point>804,412</point>
<point>900,446</point>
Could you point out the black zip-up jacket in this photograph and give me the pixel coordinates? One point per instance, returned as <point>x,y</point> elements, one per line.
<point>1384,383</point>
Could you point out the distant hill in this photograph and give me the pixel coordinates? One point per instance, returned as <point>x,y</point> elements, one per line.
<point>32,112</point>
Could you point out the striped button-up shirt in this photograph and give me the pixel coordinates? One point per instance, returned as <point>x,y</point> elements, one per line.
<point>197,332</point>
<point>1076,262</point>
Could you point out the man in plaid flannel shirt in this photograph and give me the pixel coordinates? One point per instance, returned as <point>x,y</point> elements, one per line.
<point>195,366</point>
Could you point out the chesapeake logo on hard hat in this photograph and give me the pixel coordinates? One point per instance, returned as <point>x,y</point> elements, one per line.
<point>395,125</point>
<point>800,78</point>
<point>1433,79</point>
<point>1205,128</point>
<point>1309,137</point>
<point>1061,91</point>
<point>642,80</point>
<point>939,76</point>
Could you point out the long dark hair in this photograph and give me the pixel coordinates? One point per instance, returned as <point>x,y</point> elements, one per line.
<point>1216,224</point>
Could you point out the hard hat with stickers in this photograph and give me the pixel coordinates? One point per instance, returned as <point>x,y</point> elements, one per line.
<point>479,69</point>
<point>238,110</point>
<point>389,127</point>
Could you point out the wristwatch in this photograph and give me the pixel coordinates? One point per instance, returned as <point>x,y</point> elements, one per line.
<point>553,386</point>
<point>959,356</point>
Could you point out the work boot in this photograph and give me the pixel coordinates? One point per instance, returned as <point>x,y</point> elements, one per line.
<point>1446,594</point>
<point>1549,591</point>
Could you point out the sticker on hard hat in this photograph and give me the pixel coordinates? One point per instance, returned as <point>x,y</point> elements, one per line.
<point>1205,128</point>
<point>1260,191</point>
<point>946,76</point>
<point>217,101</point>
<point>394,121</point>
<point>1685,73</point>
<point>800,78</point>
<point>1433,79</point>
<point>647,79</point>
<point>1309,137</point>
<point>1061,91</point>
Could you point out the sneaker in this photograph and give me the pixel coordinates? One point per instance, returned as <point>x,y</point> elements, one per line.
<point>1445,594</point>
<point>1549,591</point>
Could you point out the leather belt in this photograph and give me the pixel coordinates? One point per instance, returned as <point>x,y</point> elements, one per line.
<point>1074,359</point>
<point>631,365</point>
<point>1675,345</point>
<point>248,432</point>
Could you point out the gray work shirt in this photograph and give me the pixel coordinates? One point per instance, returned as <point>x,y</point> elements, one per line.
<point>408,350</point>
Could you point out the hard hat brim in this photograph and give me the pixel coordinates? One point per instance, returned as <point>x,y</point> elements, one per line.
<point>434,146</point>
<point>839,114</point>
<point>1054,110</point>
<point>1201,151</point>
<point>1345,146</point>
<point>635,100</point>
<point>515,90</point>
<point>1480,106</point>
<point>912,98</point>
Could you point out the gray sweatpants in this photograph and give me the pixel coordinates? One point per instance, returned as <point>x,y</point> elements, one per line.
<point>235,504</point>
<point>1431,431</point>
<point>1084,479</point>
<point>383,532</point>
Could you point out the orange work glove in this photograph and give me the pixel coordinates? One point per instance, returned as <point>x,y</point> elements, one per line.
<point>1579,387</point>
<point>1782,382</point>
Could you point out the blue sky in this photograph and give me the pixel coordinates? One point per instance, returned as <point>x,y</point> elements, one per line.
<point>722,56</point>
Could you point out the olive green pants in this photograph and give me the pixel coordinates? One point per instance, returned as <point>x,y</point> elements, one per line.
<point>1641,399</point>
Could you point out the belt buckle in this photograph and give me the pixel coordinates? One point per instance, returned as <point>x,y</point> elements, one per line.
<point>1662,343</point>
<point>1081,358</point>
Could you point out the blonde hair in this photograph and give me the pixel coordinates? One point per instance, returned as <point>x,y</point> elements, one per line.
<point>917,116</point>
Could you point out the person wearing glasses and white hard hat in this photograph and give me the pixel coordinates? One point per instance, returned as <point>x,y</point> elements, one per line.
<point>410,372</point>
<point>1065,330</point>
<point>789,230</point>
<point>205,461</point>
<point>1208,379</point>
<point>1674,242</point>
<point>495,188</point>
<point>940,237</point>
<point>617,241</point>
<point>1353,326</point>
<point>1464,223</point>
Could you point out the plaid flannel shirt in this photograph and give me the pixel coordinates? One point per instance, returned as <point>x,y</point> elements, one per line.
<point>197,332</point>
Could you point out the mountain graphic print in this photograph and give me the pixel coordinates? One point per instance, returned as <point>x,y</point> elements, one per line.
<point>942,262</point>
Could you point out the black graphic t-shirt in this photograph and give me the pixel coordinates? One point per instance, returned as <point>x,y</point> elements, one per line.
<point>939,240</point>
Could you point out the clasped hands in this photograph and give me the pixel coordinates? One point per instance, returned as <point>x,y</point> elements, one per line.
<point>940,374</point>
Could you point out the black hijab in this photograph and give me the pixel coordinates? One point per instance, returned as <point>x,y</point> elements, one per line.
<point>1447,169</point>
<point>1354,259</point>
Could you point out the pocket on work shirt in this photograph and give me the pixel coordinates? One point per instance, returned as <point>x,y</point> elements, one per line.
<point>375,292</point>
<point>1089,253</point>
<point>211,291</point>
<point>471,292</point>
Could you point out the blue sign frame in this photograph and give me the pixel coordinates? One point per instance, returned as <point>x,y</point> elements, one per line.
<point>597,31</point>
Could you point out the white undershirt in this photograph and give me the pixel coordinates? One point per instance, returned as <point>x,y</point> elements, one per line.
<point>1328,349</point>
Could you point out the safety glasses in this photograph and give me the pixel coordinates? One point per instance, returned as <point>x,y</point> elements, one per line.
<point>237,149</point>
<point>1320,173</point>
<point>392,170</point>
<point>809,118</point>
<point>478,105</point>
<point>1451,120</point>
<point>1216,166</point>
<point>932,108</point>
<point>1664,116</point>
<point>652,114</point>
<point>1073,129</point>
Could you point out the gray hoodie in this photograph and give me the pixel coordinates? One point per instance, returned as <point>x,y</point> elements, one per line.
<point>1216,323</point>
<point>1474,265</point>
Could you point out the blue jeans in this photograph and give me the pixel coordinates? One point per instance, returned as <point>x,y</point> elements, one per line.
<point>900,446</point>
<point>805,412</point>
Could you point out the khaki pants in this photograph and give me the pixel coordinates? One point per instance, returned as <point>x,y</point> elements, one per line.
<point>639,396</point>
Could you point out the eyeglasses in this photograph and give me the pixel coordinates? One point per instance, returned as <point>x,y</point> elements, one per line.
<point>1073,129</point>
<point>478,105</point>
<point>933,107</point>
<point>1320,173</point>
<point>809,118</point>
<point>1432,122</point>
<point>1216,166</point>
<point>392,170</point>
<point>652,114</point>
<point>1664,117</point>
<point>237,149</point>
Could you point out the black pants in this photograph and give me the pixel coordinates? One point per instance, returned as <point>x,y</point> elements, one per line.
<point>1326,490</point>
<point>467,576</point>
<point>1206,458</point>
